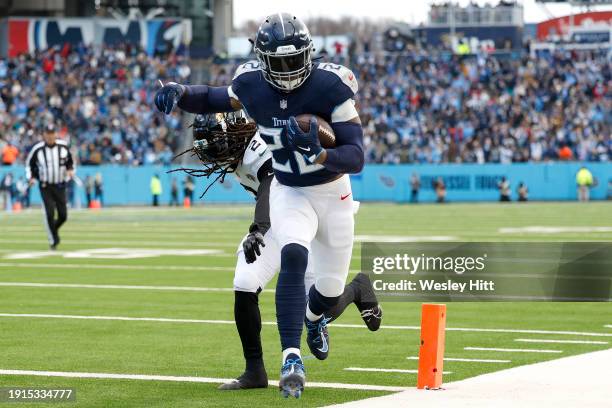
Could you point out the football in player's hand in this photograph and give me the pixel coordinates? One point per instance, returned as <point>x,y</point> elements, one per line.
<point>326,133</point>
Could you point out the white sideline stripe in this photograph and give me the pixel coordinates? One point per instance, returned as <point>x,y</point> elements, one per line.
<point>129,287</point>
<point>187,379</point>
<point>512,350</point>
<point>561,341</point>
<point>470,360</point>
<point>345,326</point>
<point>386,370</point>
<point>548,384</point>
<point>609,326</point>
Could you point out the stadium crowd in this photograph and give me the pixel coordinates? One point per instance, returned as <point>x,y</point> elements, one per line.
<point>418,107</point>
<point>432,108</point>
<point>100,98</point>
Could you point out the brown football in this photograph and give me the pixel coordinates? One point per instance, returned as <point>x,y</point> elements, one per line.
<point>326,133</point>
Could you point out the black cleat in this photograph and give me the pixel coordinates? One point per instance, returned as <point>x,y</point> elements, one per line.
<point>366,301</point>
<point>318,338</point>
<point>372,317</point>
<point>248,380</point>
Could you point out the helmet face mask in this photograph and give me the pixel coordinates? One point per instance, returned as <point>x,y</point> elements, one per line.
<point>283,47</point>
<point>221,138</point>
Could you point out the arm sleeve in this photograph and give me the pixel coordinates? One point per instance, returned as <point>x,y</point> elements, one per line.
<point>205,99</point>
<point>261,220</point>
<point>348,156</point>
<point>30,166</point>
<point>69,161</point>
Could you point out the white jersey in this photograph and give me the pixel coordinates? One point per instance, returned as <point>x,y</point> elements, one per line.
<point>255,157</point>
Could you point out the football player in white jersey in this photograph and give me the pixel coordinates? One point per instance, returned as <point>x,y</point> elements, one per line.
<point>231,144</point>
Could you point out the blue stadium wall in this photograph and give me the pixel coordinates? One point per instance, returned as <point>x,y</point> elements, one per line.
<point>464,182</point>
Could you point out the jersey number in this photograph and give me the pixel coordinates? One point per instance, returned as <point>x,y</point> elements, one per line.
<point>254,145</point>
<point>272,136</point>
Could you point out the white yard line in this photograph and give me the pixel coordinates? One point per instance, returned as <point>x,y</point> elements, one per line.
<point>128,287</point>
<point>346,326</point>
<point>467,360</point>
<point>386,370</point>
<point>173,378</point>
<point>133,267</point>
<point>512,350</point>
<point>608,326</point>
<point>561,341</point>
<point>135,242</point>
<point>551,230</point>
<point>117,266</point>
<point>551,384</point>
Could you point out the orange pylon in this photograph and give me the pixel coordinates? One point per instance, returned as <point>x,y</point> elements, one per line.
<point>431,351</point>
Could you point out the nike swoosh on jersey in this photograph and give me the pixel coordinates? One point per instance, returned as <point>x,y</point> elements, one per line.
<point>344,197</point>
<point>304,148</point>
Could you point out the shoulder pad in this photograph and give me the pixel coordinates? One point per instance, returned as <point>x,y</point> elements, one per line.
<point>343,73</point>
<point>248,66</point>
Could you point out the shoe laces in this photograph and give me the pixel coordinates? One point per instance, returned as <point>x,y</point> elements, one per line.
<point>374,312</point>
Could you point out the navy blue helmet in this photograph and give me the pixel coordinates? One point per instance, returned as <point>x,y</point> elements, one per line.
<point>283,47</point>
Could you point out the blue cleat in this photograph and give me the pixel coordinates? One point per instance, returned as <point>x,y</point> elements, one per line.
<point>318,338</point>
<point>292,378</point>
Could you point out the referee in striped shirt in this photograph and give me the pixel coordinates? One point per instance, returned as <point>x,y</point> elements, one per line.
<point>50,163</point>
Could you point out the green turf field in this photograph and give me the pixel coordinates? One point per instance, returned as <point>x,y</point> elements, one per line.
<point>198,339</point>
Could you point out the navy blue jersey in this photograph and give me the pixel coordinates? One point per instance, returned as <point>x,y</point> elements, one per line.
<point>327,87</point>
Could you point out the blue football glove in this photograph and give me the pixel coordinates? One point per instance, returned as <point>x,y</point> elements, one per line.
<point>305,143</point>
<point>168,96</point>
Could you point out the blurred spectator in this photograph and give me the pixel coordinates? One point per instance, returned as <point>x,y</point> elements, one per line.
<point>188,188</point>
<point>415,185</point>
<point>174,193</point>
<point>440,189</point>
<point>99,189</point>
<point>89,186</point>
<point>584,180</point>
<point>100,97</point>
<point>6,191</point>
<point>522,192</point>
<point>156,189</point>
<point>22,189</point>
<point>504,189</point>
<point>9,154</point>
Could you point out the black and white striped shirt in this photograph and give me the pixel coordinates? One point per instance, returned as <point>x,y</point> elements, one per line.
<point>49,164</point>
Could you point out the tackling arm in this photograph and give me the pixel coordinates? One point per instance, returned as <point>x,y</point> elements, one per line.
<point>207,99</point>
<point>195,98</point>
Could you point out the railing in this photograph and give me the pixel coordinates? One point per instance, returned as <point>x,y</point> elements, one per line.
<point>445,16</point>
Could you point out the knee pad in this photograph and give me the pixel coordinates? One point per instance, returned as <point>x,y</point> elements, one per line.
<point>329,287</point>
<point>246,283</point>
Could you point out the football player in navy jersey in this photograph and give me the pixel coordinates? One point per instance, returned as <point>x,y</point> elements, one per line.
<point>231,144</point>
<point>310,198</point>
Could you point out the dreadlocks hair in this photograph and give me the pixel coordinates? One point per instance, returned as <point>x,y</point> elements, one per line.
<point>219,142</point>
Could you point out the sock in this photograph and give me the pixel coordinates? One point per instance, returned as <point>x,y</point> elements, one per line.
<point>290,300</point>
<point>248,323</point>
<point>319,304</point>
<point>311,316</point>
<point>292,352</point>
<point>346,298</point>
